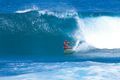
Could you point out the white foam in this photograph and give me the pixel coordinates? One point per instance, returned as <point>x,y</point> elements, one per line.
<point>100,32</point>
<point>73,71</point>
<point>27,10</point>
<point>60,14</point>
<point>65,14</point>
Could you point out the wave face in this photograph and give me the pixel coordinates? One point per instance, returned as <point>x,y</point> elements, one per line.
<point>39,34</point>
<point>34,33</point>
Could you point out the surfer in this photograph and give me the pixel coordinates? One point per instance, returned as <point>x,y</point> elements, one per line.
<point>67,48</point>
<point>66,45</point>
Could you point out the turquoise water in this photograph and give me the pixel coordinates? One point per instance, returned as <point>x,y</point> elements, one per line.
<point>38,35</point>
<point>32,35</point>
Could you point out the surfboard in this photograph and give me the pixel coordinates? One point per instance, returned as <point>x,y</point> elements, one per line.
<point>68,51</point>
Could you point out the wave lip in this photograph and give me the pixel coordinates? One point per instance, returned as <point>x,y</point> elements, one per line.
<point>60,14</point>
<point>24,11</point>
<point>67,14</point>
<point>34,8</point>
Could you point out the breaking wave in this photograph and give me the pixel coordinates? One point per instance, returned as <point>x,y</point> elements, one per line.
<point>36,30</point>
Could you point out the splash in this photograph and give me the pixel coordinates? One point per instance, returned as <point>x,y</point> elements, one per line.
<point>100,32</point>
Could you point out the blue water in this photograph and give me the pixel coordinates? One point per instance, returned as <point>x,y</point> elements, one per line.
<point>32,33</point>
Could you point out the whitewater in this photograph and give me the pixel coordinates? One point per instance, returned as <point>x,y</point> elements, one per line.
<point>62,71</point>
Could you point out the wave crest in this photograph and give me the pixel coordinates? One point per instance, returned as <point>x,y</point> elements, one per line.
<point>100,32</point>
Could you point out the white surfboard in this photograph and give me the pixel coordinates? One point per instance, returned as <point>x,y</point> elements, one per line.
<point>68,51</point>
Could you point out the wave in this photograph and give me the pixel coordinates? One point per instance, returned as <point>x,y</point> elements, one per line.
<point>32,34</point>
<point>36,30</point>
<point>35,17</point>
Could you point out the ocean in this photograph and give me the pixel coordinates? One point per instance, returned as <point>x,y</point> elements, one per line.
<point>32,35</point>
